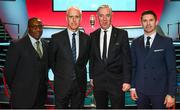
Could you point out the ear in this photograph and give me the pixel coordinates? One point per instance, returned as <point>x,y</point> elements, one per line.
<point>66,19</point>
<point>157,22</point>
<point>80,18</point>
<point>141,23</point>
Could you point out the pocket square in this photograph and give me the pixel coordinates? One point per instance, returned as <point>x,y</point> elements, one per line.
<point>117,43</point>
<point>158,50</point>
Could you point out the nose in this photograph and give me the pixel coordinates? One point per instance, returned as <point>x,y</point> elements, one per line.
<point>38,28</point>
<point>104,18</point>
<point>148,22</point>
<point>74,19</point>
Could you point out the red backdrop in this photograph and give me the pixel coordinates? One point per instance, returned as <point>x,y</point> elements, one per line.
<point>43,10</point>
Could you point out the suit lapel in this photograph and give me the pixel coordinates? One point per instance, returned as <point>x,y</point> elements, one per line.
<point>142,46</point>
<point>97,39</point>
<point>81,46</point>
<point>112,40</point>
<point>30,47</point>
<point>44,48</point>
<point>154,44</point>
<point>67,44</point>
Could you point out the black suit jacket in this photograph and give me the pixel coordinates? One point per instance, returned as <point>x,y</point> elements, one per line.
<point>26,73</point>
<point>61,60</point>
<point>117,70</point>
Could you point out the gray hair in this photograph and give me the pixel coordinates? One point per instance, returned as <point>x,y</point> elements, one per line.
<point>74,8</point>
<point>104,6</point>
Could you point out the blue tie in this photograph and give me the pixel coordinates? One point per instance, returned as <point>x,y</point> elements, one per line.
<point>74,47</point>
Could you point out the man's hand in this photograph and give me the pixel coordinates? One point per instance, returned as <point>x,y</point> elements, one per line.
<point>133,94</point>
<point>169,101</point>
<point>126,87</point>
<point>91,82</point>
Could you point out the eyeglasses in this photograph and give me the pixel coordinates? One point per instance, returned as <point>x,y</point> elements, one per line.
<point>36,26</point>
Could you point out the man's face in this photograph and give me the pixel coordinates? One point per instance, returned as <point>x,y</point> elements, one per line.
<point>104,17</point>
<point>149,23</point>
<point>73,18</point>
<point>35,28</point>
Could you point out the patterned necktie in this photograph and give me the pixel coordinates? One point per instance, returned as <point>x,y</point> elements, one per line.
<point>38,49</point>
<point>148,43</point>
<point>74,47</point>
<point>104,46</point>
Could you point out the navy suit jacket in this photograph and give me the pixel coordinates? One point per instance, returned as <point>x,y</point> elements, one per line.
<point>154,73</point>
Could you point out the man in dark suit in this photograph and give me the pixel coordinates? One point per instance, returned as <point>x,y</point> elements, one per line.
<point>110,62</point>
<point>69,52</point>
<point>154,66</point>
<point>27,68</point>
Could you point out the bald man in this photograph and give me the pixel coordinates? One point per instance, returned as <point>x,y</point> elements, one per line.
<point>69,50</point>
<point>27,68</point>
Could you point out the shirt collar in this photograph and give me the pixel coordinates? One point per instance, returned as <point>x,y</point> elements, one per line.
<point>71,32</point>
<point>33,40</point>
<point>108,29</point>
<point>152,36</point>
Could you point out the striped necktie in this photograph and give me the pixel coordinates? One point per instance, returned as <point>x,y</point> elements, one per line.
<point>74,47</point>
<point>38,49</point>
<point>148,43</point>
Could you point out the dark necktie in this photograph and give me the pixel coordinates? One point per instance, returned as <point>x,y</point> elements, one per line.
<point>148,43</point>
<point>74,47</point>
<point>38,49</point>
<point>104,46</point>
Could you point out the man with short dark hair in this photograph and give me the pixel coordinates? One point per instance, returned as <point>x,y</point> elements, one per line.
<point>154,67</point>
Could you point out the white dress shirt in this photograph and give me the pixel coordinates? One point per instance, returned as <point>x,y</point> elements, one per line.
<point>109,30</point>
<point>33,42</point>
<point>150,40</point>
<point>77,41</point>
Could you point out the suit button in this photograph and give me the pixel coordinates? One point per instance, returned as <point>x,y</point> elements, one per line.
<point>154,79</point>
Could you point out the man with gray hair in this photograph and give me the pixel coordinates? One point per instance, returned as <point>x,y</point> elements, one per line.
<point>110,62</point>
<point>68,55</point>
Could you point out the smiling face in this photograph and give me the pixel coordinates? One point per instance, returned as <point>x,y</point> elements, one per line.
<point>73,18</point>
<point>35,28</point>
<point>104,17</point>
<point>149,23</point>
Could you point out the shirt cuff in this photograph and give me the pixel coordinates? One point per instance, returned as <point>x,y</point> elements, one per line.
<point>133,89</point>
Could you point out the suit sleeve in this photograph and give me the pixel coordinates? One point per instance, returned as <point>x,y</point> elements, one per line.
<point>170,59</point>
<point>133,57</point>
<point>52,50</point>
<point>12,57</point>
<point>91,57</point>
<point>127,66</point>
